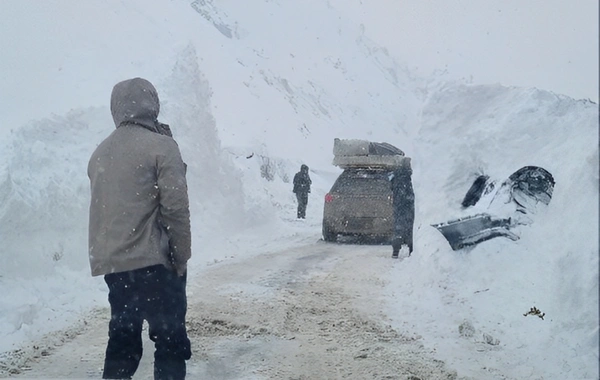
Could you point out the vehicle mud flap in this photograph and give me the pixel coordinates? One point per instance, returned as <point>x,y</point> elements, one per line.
<point>474,229</point>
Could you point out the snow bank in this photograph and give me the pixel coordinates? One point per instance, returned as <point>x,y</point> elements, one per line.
<point>554,266</point>
<point>247,106</point>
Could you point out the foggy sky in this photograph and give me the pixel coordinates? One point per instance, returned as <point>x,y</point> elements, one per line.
<point>548,44</point>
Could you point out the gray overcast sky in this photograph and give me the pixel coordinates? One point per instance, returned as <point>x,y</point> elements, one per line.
<point>548,44</point>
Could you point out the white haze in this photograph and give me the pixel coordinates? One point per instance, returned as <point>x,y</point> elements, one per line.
<point>253,92</point>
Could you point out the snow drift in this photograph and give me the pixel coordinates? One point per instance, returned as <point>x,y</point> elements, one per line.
<point>247,107</point>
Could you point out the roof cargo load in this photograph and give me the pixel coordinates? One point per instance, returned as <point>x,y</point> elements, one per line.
<point>363,153</point>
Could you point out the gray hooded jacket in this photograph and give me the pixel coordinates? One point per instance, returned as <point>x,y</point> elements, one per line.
<point>139,210</point>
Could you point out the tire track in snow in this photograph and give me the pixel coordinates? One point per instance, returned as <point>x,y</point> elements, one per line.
<point>312,312</point>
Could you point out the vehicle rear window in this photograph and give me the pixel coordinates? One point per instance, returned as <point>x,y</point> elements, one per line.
<point>362,182</point>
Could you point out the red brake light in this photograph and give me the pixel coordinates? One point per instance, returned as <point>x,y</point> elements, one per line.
<point>328,198</point>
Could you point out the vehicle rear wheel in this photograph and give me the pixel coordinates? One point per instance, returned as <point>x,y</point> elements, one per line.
<point>328,234</point>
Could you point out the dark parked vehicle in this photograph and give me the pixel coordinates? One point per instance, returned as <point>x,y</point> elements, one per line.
<point>359,204</point>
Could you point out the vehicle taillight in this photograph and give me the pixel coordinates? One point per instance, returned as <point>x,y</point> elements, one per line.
<point>328,198</point>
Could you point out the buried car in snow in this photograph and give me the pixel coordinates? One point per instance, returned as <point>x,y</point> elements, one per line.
<point>504,208</point>
<point>360,200</point>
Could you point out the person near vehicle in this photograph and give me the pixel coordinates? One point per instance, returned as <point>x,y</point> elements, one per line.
<point>139,234</point>
<point>302,184</point>
<point>403,209</point>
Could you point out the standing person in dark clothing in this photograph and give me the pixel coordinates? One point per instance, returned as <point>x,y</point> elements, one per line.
<point>404,210</point>
<point>139,234</point>
<point>302,184</point>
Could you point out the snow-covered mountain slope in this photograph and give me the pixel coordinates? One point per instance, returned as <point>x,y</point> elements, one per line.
<point>253,92</point>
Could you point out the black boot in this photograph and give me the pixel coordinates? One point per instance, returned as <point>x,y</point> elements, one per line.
<point>169,370</point>
<point>396,243</point>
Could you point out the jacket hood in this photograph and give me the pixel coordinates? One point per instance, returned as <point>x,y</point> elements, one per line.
<point>135,101</point>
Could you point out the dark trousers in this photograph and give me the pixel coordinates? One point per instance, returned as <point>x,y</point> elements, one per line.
<point>404,217</point>
<point>404,213</point>
<point>302,198</point>
<point>400,239</point>
<point>157,295</point>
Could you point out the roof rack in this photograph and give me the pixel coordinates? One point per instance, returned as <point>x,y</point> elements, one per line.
<point>351,153</point>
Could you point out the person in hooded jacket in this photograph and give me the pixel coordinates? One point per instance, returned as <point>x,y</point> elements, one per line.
<point>302,184</point>
<point>403,204</point>
<point>139,234</point>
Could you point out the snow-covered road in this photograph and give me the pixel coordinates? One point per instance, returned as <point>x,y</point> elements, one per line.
<point>314,311</point>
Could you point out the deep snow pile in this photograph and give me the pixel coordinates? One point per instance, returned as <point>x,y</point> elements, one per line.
<point>247,107</point>
<point>471,130</point>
